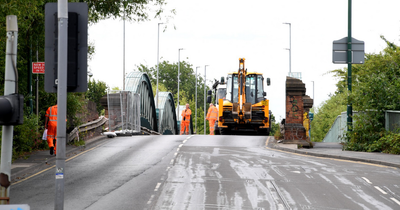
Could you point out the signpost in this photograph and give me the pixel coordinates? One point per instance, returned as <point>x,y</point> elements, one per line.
<point>38,67</point>
<point>351,51</point>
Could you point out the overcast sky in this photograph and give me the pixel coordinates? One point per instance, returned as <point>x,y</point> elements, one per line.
<point>218,33</point>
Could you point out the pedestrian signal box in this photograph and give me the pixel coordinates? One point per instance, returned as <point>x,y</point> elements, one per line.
<point>77,47</point>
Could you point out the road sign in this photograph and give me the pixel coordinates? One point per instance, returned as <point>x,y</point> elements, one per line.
<point>38,67</point>
<point>340,51</point>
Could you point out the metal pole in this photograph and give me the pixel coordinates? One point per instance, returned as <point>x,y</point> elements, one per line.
<point>10,83</point>
<point>37,84</point>
<point>313,92</point>
<point>290,47</point>
<point>30,77</point>
<point>205,108</point>
<point>158,58</point>
<point>123,68</point>
<point>61,101</point>
<point>349,60</point>
<point>179,64</point>
<point>196,100</point>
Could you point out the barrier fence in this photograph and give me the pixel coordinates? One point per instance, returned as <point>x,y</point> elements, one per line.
<point>123,112</point>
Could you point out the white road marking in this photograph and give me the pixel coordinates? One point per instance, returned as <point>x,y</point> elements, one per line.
<point>167,169</point>
<point>369,182</point>
<point>395,200</point>
<point>177,150</point>
<point>150,200</point>
<point>158,185</point>
<point>175,153</point>
<point>380,190</point>
<point>180,145</point>
<point>184,141</point>
<point>172,162</point>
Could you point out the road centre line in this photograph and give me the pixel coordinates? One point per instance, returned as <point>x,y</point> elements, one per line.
<point>369,182</point>
<point>395,200</point>
<point>151,199</point>
<point>44,170</point>
<point>158,186</point>
<point>380,190</point>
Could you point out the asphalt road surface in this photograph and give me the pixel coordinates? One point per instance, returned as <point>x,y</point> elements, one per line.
<point>209,172</point>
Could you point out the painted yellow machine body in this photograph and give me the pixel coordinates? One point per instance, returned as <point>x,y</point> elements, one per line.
<point>245,107</point>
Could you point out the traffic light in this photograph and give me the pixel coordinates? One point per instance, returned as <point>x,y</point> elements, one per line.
<point>12,109</point>
<point>77,47</point>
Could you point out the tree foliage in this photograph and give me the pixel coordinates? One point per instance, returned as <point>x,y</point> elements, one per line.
<point>96,90</point>
<point>376,89</point>
<point>326,114</point>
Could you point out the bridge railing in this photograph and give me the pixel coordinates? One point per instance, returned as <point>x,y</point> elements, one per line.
<point>123,111</point>
<point>392,120</point>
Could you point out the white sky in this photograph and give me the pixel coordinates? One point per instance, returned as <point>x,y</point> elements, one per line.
<point>219,32</point>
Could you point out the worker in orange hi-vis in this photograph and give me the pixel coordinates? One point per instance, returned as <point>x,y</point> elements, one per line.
<point>185,120</point>
<point>212,116</point>
<point>51,126</point>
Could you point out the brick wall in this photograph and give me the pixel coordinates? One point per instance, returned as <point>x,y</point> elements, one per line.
<point>294,109</point>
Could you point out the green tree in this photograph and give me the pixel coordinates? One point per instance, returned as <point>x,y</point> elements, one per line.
<point>376,88</point>
<point>326,114</point>
<point>96,90</point>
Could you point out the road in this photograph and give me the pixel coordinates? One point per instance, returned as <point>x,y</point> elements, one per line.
<point>210,172</point>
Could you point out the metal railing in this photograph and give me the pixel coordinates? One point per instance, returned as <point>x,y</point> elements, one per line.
<point>123,111</point>
<point>392,120</point>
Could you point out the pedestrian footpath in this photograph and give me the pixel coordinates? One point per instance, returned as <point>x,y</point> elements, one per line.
<point>335,150</point>
<point>42,160</point>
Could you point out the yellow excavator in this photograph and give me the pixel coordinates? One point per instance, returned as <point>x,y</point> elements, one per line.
<point>244,109</point>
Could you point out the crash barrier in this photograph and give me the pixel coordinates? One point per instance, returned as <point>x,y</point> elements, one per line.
<point>74,134</point>
<point>123,112</point>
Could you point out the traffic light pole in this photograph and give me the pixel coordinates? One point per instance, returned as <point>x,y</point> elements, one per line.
<point>61,101</point>
<point>9,88</point>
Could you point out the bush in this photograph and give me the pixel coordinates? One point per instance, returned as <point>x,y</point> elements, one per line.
<point>389,143</point>
<point>27,137</point>
<point>278,135</point>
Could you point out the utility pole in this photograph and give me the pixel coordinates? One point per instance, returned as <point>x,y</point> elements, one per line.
<point>123,68</point>
<point>158,59</point>
<point>290,48</point>
<point>196,100</point>
<point>179,64</point>
<point>10,87</point>
<point>61,101</point>
<point>205,108</point>
<point>349,61</point>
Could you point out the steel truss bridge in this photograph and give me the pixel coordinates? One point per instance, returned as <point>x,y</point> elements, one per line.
<point>160,117</point>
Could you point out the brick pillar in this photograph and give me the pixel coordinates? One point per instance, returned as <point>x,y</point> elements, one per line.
<point>296,104</point>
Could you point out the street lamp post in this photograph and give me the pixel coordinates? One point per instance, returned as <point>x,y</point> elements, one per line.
<point>123,68</point>
<point>196,100</point>
<point>179,63</point>
<point>158,57</point>
<point>205,110</point>
<point>290,47</point>
<point>313,92</point>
